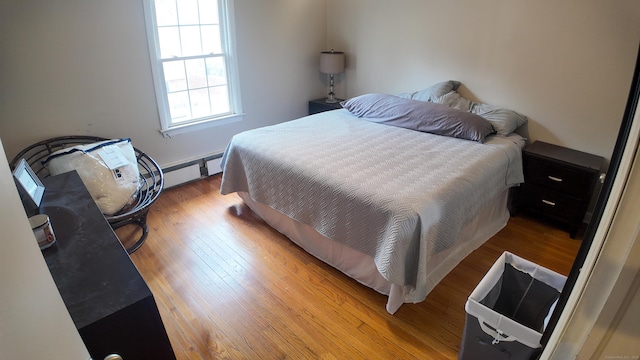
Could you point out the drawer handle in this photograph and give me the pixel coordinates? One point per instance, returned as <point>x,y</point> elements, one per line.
<point>548,202</point>
<point>556,179</point>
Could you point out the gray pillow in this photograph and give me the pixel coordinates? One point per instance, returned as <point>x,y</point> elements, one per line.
<point>504,121</point>
<point>432,92</point>
<point>454,100</point>
<point>419,115</point>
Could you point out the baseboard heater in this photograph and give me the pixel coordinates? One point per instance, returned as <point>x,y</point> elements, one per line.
<point>188,171</point>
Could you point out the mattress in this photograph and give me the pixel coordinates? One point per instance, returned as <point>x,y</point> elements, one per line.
<point>399,196</point>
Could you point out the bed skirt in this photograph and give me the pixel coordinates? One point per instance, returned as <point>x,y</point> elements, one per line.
<point>361,267</point>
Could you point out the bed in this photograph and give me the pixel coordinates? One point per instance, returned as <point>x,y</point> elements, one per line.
<point>392,204</point>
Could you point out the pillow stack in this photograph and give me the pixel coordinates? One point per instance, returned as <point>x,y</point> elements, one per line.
<point>424,116</point>
<point>408,110</point>
<point>504,121</point>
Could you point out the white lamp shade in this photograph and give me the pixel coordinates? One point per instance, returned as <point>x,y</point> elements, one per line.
<point>332,62</point>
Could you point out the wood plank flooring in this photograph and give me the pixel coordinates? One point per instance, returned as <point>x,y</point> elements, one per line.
<point>228,286</point>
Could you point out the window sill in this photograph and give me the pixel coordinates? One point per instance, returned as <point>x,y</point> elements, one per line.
<point>181,129</point>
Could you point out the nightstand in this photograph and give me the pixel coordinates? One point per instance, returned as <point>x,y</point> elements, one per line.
<point>320,105</point>
<point>558,183</point>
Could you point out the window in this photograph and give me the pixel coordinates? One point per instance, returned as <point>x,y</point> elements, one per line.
<point>192,59</point>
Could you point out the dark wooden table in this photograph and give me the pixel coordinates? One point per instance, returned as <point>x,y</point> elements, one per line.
<point>559,183</point>
<point>107,298</point>
<point>321,105</point>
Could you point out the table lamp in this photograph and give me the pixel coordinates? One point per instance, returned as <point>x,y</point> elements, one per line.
<point>331,62</point>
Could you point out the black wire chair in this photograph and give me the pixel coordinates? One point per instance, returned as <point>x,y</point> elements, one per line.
<point>151,180</point>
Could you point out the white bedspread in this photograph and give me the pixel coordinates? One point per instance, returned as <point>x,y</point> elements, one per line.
<point>399,195</point>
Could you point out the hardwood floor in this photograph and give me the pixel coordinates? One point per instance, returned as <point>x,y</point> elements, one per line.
<point>228,286</point>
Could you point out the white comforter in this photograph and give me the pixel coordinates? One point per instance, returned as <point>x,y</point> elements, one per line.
<point>399,195</point>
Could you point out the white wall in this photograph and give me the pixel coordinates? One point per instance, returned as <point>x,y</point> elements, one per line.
<point>34,322</point>
<point>81,67</point>
<point>74,67</point>
<point>566,65</point>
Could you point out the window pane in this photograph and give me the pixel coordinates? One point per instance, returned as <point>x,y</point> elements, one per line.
<point>174,76</point>
<point>169,42</point>
<point>166,13</point>
<point>190,36</point>
<point>211,39</point>
<point>193,60</point>
<point>179,106</point>
<point>196,73</point>
<point>188,12</point>
<point>216,71</point>
<point>200,103</point>
<point>209,12</point>
<point>219,100</point>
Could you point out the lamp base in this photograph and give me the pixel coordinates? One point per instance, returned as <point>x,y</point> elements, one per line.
<point>331,99</point>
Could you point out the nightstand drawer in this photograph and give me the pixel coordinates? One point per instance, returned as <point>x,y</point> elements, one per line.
<point>560,178</point>
<point>552,203</point>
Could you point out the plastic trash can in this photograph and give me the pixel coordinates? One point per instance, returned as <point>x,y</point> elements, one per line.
<point>509,309</point>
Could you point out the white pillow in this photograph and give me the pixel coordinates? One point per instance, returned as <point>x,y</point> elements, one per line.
<point>108,169</point>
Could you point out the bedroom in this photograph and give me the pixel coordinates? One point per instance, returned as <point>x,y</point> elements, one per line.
<point>576,59</point>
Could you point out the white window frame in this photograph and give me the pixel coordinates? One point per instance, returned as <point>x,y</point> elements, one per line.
<point>227,35</point>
